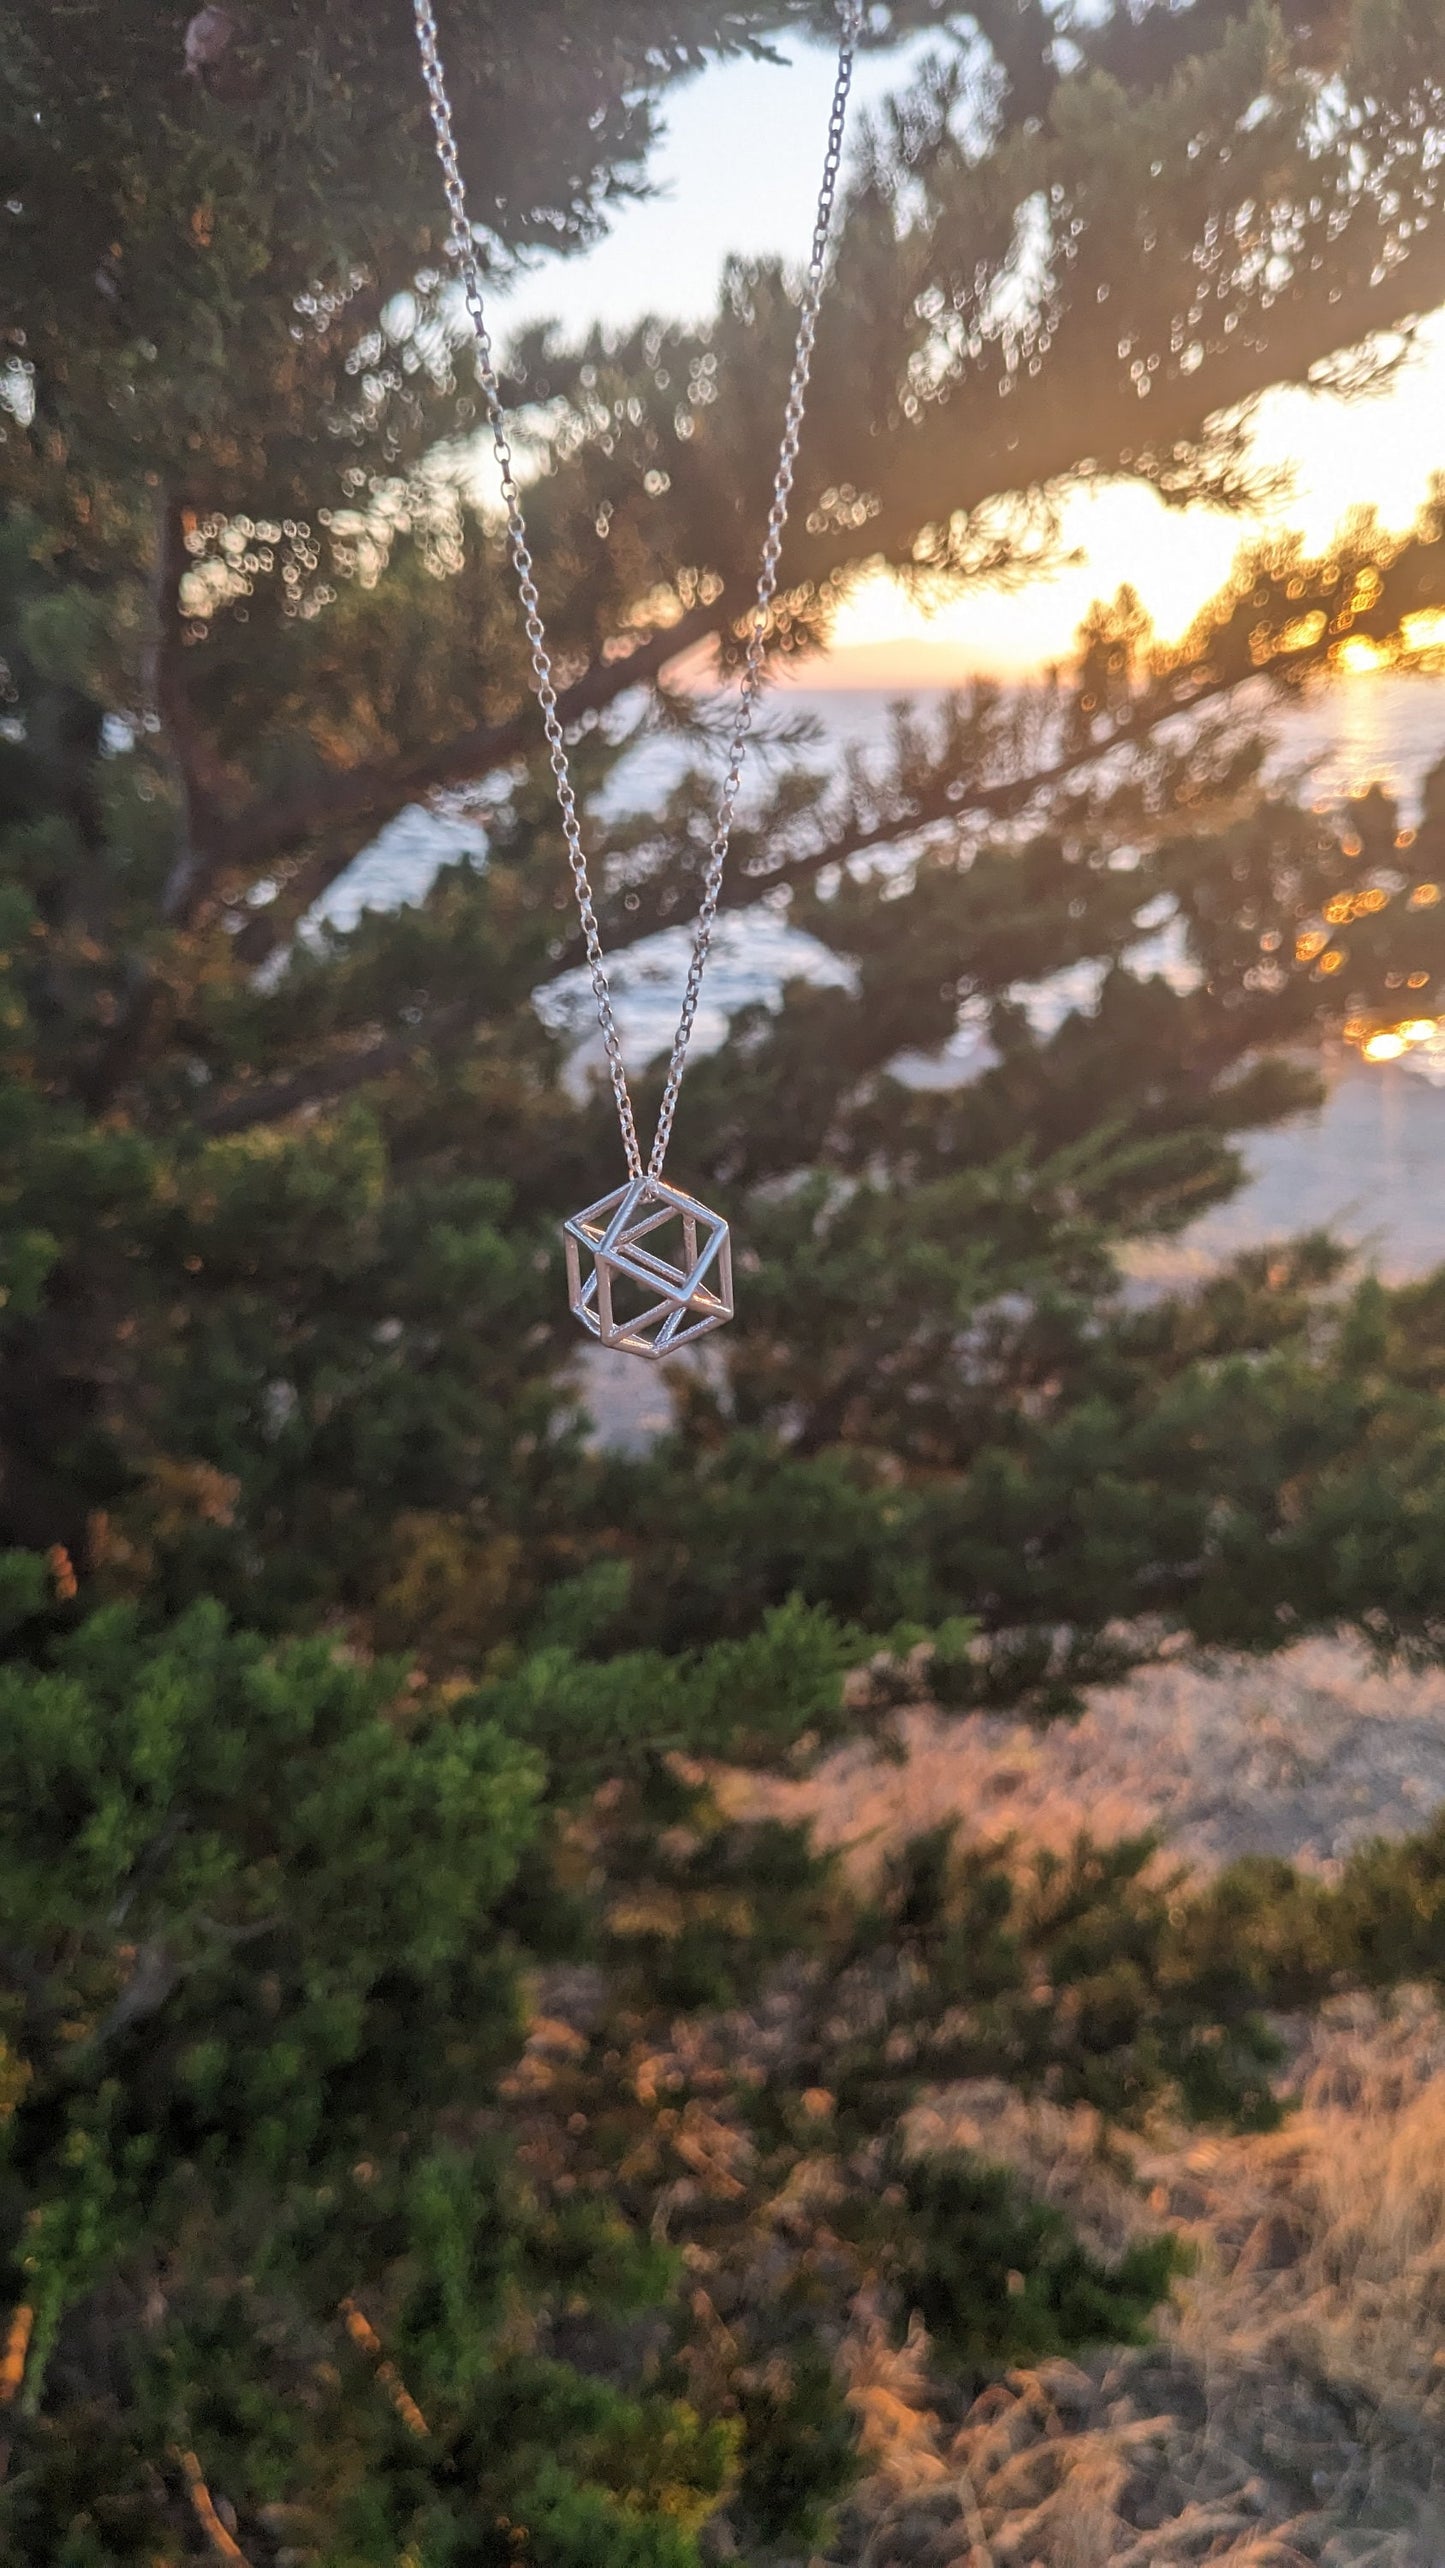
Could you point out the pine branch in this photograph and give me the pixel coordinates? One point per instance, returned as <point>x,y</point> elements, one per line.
<point>361,2332</point>
<point>359,800</point>
<point>219,2541</point>
<point>1020,36</point>
<point>12,2368</point>
<point>447,1030</point>
<point>17,2346</point>
<point>1252,636</point>
<point>966,449</point>
<point>939,802</point>
<point>195,769</point>
<point>365,796</point>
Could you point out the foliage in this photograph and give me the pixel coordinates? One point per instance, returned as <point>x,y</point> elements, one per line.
<point>750,1699</point>
<point>997,2279</point>
<point>272,2189</point>
<point>279,1250</point>
<point>432,2130</point>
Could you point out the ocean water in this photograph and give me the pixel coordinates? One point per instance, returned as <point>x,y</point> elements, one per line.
<point>1370,1164</point>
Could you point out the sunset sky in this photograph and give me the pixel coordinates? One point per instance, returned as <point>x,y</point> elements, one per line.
<point>738,171</point>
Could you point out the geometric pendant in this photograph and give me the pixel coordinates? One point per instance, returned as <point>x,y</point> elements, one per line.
<point>649,1269</point>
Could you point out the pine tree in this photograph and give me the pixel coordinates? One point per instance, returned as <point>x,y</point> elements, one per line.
<point>299,2246</point>
<point>278,1325</point>
<point>282,1347</point>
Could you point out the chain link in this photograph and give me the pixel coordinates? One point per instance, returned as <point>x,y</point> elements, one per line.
<point>462,249</point>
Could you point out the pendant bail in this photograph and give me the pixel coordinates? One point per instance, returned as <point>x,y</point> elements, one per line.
<point>649,1268</point>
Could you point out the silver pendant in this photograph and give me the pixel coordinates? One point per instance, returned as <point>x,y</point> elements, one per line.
<point>648,1268</point>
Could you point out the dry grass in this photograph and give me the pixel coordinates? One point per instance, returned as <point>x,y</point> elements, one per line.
<point>1293,2408</point>
<point>1298,1756</point>
<point>1315,2321</point>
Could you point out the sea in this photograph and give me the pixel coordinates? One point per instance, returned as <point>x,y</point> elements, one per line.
<point>1369,1164</point>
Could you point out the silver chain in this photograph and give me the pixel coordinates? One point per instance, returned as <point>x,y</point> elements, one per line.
<point>462,250</point>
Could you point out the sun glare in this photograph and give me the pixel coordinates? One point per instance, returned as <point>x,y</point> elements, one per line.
<point>1332,455</point>
<point>1359,657</point>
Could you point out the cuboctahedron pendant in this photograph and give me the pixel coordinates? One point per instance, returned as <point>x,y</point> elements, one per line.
<point>648,1268</point>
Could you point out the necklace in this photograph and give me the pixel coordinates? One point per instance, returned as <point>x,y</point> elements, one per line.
<point>649,1268</point>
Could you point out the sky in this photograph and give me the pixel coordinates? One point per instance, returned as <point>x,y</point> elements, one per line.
<point>738,171</point>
